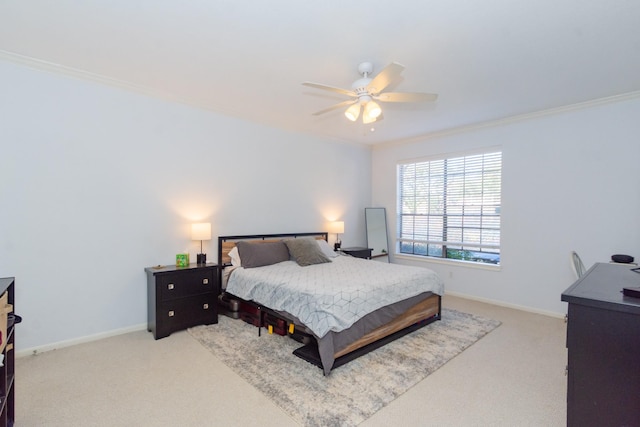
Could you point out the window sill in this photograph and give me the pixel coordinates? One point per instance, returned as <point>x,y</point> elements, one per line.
<point>448,261</point>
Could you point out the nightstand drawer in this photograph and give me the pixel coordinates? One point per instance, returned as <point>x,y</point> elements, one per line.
<point>185,283</point>
<point>184,313</point>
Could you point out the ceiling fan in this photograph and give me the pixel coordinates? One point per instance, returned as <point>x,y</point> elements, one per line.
<point>366,91</point>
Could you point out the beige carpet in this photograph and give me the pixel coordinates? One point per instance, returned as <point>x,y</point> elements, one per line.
<point>351,393</point>
<point>514,376</point>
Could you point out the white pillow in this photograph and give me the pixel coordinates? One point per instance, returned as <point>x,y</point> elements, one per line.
<point>235,257</point>
<point>326,249</point>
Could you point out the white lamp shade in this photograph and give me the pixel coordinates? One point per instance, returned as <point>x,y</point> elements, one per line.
<point>353,112</point>
<point>372,110</point>
<point>366,119</point>
<point>201,231</point>
<point>336,227</point>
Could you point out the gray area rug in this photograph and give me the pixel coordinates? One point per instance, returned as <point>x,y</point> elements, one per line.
<point>352,392</point>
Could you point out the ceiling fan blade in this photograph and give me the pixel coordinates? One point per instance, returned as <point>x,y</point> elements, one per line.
<point>388,74</point>
<point>339,105</point>
<point>406,97</point>
<point>330,88</point>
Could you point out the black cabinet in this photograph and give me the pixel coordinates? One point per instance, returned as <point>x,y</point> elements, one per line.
<point>181,297</point>
<point>603,342</point>
<point>7,339</point>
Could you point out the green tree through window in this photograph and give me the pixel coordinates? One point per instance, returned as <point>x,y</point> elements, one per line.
<point>450,208</point>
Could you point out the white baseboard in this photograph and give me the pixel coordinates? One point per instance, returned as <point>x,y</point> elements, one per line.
<point>81,340</point>
<point>143,326</point>
<point>508,305</point>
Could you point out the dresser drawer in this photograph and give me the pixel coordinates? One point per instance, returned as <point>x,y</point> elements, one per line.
<point>185,283</point>
<point>186,312</point>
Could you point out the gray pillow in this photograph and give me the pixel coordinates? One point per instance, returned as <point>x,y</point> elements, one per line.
<point>260,254</point>
<point>305,251</point>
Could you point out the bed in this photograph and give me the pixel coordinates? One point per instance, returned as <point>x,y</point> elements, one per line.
<point>348,306</point>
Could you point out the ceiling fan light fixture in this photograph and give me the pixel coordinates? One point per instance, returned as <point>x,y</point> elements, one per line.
<point>353,112</point>
<point>366,119</point>
<point>366,89</point>
<point>372,110</point>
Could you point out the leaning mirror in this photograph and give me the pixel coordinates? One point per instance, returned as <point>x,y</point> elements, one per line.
<point>376,221</point>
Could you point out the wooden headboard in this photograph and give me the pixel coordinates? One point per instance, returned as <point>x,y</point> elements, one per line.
<point>226,243</point>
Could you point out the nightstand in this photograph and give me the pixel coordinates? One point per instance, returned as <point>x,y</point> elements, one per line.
<point>181,297</point>
<point>358,252</point>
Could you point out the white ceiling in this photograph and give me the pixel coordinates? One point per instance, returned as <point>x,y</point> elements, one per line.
<point>488,60</point>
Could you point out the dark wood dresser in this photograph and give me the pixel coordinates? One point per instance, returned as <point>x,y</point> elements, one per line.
<point>603,342</point>
<point>7,339</point>
<point>181,297</point>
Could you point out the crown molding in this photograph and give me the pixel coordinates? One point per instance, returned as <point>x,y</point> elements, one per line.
<point>51,67</point>
<point>42,65</point>
<point>513,119</point>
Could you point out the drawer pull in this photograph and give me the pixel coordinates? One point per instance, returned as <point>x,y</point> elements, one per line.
<point>205,306</point>
<point>170,286</point>
<point>205,281</point>
<point>171,313</point>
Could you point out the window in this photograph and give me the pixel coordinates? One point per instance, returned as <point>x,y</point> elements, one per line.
<point>450,208</point>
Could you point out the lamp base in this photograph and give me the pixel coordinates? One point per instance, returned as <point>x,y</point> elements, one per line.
<point>337,245</point>
<point>201,258</point>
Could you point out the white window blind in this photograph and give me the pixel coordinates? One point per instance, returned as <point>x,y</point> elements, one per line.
<point>450,208</point>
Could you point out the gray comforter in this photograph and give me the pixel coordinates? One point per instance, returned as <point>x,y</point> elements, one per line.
<point>332,296</point>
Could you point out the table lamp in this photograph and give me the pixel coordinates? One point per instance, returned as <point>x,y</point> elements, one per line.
<point>201,231</point>
<point>338,228</point>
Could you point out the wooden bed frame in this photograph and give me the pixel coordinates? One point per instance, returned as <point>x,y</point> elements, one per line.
<point>418,316</point>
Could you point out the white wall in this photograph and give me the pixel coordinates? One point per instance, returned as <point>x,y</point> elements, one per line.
<point>570,182</point>
<point>97,183</point>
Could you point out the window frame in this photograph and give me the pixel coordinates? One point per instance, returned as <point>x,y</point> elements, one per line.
<point>484,247</point>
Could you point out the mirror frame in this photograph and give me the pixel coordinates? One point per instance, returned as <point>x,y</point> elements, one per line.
<point>376,224</point>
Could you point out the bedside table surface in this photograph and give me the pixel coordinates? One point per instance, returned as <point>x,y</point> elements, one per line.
<point>172,268</point>
<point>358,252</point>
